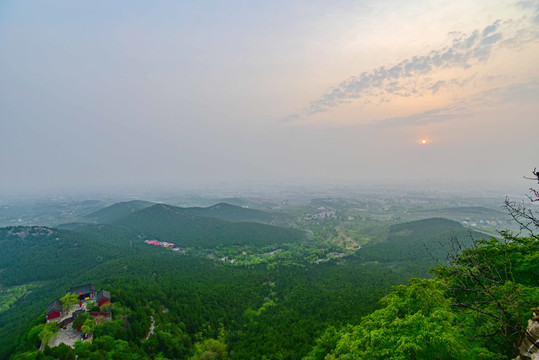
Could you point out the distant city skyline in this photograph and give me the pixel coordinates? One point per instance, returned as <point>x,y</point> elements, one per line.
<point>192,94</point>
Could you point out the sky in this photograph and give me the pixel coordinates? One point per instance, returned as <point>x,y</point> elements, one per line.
<point>180,93</point>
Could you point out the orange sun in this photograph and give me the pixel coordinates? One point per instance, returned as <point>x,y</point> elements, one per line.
<point>424,141</point>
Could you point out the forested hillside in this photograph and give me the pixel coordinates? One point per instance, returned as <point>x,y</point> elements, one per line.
<point>477,307</point>
<point>289,306</point>
<point>229,212</point>
<point>221,211</point>
<point>249,310</point>
<point>39,253</point>
<point>172,224</point>
<point>117,211</point>
<point>425,242</point>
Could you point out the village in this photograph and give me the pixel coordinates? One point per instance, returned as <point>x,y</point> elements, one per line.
<point>74,316</point>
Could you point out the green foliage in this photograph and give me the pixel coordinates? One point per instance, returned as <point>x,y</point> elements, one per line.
<point>416,322</point>
<point>275,309</point>
<point>48,332</point>
<point>9,296</point>
<point>210,349</point>
<point>476,308</point>
<point>421,240</point>
<point>80,320</point>
<point>326,343</point>
<point>88,326</point>
<point>293,303</point>
<point>229,212</point>
<point>140,323</point>
<point>30,254</point>
<point>105,308</point>
<point>107,347</point>
<point>494,285</point>
<point>68,300</point>
<point>168,340</point>
<point>172,224</point>
<point>112,328</point>
<point>29,355</point>
<point>92,306</point>
<point>62,352</point>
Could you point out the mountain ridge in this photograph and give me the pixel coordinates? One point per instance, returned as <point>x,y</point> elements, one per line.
<point>174,224</point>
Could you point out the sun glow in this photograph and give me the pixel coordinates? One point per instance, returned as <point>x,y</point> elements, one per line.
<point>424,141</point>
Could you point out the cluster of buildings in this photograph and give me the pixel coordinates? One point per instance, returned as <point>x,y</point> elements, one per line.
<point>321,213</point>
<point>159,243</point>
<point>165,245</point>
<point>55,311</point>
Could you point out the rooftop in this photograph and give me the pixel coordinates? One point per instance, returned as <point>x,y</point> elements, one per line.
<point>84,289</point>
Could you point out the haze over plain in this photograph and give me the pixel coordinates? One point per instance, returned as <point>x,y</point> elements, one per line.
<point>182,93</point>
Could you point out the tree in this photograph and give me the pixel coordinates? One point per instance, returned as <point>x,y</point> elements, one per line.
<point>48,332</point>
<point>68,300</point>
<point>80,320</point>
<point>494,282</point>
<point>92,306</point>
<point>106,307</point>
<point>527,218</point>
<point>416,322</point>
<point>493,286</point>
<point>62,352</point>
<point>476,308</point>
<point>88,326</point>
<point>210,349</point>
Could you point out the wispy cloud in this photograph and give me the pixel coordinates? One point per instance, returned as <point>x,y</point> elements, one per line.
<point>416,75</point>
<point>462,53</point>
<point>465,107</point>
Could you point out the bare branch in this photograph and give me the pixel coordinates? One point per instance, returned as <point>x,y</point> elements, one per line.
<point>523,216</point>
<point>533,199</point>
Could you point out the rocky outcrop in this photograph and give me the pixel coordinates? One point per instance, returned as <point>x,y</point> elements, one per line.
<point>529,346</point>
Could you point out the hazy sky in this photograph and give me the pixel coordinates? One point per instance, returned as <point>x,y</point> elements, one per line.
<point>183,92</point>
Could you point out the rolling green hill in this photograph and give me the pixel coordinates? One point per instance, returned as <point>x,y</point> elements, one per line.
<point>173,224</point>
<point>463,211</point>
<point>420,240</point>
<point>117,211</point>
<point>230,212</point>
<point>39,253</point>
<point>42,262</point>
<point>256,310</point>
<point>221,211</point>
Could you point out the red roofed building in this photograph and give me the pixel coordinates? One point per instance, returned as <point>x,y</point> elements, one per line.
<point>103,297</point>
<point>54,311</point>
<point>84,292</point>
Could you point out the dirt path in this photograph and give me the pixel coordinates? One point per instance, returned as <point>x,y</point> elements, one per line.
<point>152,327</point>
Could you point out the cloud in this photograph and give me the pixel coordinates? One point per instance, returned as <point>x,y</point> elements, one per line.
<point>465,51</point>
<point>441,84</point>
<point>532,6</point>
<point>520,92</point>
<point>422,118</point>
<point>491,28</point>
<point>290,118</point>
<point>436,87</point>
<point>461,108</point>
